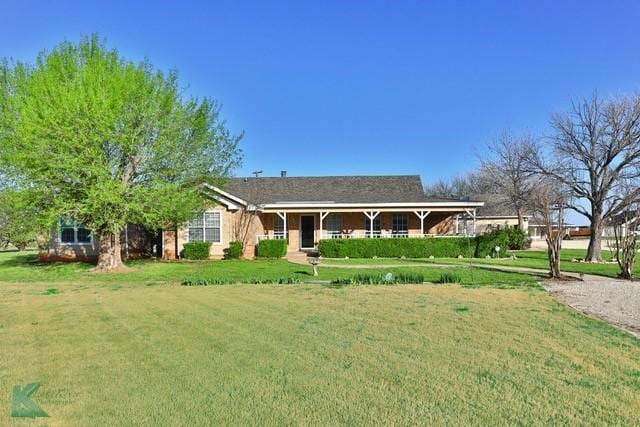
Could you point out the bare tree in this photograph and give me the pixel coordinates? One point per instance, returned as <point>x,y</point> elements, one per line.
<point>548,201</point>
<point>624,226</point>
<point>442,188</point>
<point>597,145</point>
<point>625,244</point>
<point>507,169</point>
<point>246,217</point>
<point>243,224</point>
<point>460,186</point>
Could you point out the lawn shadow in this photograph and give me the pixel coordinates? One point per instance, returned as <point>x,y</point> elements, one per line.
<point>334,285</point>
<point>20,260</point>
<point>304,273</point>
<point>30,262</point>
<point>539,275</point>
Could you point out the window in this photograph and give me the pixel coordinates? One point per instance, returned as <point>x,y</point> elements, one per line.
<point>376,226</point>
<point>334,224</point>
<point>400,224</point>
<point>72,232</point>
<point>278,226</point>
<point>206,227</point>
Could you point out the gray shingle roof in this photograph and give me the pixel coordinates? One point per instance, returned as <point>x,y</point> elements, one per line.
<point>495,205</point>
<point>338,189</point>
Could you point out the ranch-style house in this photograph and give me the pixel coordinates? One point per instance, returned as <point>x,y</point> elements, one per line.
<point>303,210</point>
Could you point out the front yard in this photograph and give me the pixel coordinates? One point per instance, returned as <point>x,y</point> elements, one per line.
<point>526,259</point>
<point>138,348</point>
<point>304,354</point>
<point>23,267</point>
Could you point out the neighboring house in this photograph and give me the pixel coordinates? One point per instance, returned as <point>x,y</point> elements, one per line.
<point>538,231</point>
<point>305,210</point>
<point>495,214</point>
<point>622,223</point>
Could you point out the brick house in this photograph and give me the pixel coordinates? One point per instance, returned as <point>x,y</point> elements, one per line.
<point>303,210</point>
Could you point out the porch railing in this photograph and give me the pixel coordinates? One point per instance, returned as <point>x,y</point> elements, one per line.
<point>324,234</point>
<point>377,235</point>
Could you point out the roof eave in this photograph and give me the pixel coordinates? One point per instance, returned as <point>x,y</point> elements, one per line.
<point>293,205</point>
<point>225,194</point>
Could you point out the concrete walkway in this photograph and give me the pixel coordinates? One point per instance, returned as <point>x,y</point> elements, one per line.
<point>612,300</point>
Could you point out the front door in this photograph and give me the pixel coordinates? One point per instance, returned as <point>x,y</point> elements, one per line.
<point>307,228</point>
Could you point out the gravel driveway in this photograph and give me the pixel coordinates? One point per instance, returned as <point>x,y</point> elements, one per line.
<point>616,301</point>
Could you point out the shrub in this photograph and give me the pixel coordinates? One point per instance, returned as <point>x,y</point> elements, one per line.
<point>486,243</point>
<point>507,238</point>
<point>449,277</point>
<point>517,239</point>
<point>196,250</point>
<point>213,281</point>
<point>449,247</point>
<point>234,251</point>
<point>277,281</point>
<point>381,279</point>
<point>272,248</point>
<point>207,282</point>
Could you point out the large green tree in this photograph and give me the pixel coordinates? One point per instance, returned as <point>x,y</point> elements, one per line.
<point>18,219</point>
<point>108,141</point>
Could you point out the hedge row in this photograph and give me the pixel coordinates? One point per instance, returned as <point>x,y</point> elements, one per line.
<point>441,247</point>
<point>272,248</point>
<point>438,247</point>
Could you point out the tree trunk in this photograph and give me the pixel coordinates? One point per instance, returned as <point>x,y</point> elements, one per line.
<point>554,260</point>
<point>520,219</point>
<point>628,257</point>
<point>175,241</point>
<point>109,258</point>
<point>594,251</point>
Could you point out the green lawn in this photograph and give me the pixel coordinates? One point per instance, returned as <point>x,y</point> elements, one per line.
<point>23,267</point>
<point>529,259</point>
<point>138,348</point>
<point>307,354</point>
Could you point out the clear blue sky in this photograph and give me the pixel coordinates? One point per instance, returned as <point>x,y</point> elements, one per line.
<point>362,87</point>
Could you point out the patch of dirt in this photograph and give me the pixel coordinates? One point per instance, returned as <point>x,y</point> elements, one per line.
<point>121,269</point>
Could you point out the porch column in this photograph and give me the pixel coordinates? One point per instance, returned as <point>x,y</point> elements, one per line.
<point>323,215</point>
<point>472,214</point>
<point>371,215</point>
<point>457,223</point>
<point>422,215</point>
<point>464,224</point>
<point>474,222</point>
<point>283,215</point>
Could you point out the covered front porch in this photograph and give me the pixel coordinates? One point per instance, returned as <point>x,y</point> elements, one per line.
<point>304,228</point>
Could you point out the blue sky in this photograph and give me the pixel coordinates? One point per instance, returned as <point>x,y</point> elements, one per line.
<point>362,87</point>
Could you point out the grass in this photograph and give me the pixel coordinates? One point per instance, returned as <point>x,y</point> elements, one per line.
<point>528,259</point>
<point>23,267</point>
<point>308,354</point>
<point>136,347</point>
